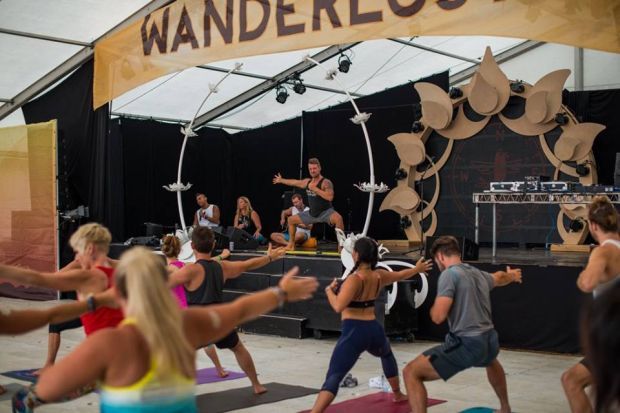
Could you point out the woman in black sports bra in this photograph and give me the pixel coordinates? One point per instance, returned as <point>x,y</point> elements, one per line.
<point>355,299</point>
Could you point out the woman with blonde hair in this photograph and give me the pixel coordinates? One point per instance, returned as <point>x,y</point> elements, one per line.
<point>171,247</point>
<point>90,243</point>
<point>147,363</point>
<point>248,219</point>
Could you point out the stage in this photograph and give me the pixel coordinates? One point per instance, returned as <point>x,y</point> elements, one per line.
<point>541,314</point>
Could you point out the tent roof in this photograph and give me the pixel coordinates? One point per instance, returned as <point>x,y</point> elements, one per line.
<point>42,41</point>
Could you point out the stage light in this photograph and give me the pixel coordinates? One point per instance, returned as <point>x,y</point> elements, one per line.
<point>344,63</point>
<point>582,169</point>
<point>417,127</point>
<point>400,174</point>
<point>299,87</point>
<point>455,93</point>
<point>561,119</point>
<point>405,223</point>
<point>517,86</point>
<point>281,94</point>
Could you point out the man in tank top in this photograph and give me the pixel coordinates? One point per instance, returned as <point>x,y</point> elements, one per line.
<point>303,231</point>
<point>208,215</point>
<point>320,191</point>
<point>204,285</point>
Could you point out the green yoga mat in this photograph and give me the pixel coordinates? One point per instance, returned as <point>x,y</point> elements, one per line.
<point>235,399</point>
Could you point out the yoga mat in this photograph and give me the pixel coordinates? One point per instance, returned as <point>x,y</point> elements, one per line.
<point>479,410</point>
<point>210,376</point>
<point>25,375</point>
<point>234,399</point>
<point>372,403</point>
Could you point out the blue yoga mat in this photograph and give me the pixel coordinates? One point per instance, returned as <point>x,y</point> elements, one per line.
<point>479,410</point>
<point>25,375</point>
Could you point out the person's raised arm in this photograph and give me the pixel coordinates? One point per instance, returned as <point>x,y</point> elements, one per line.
<point>68,280</point>
<point>233,269</point>
<point>502,278</point>
<point>299,183</point>
<point>347,291</point>
<point>389,277</point>
<point>23,321</point>
<point>82,367</point>
<point>236,223</point>
<point>183,275</point>
<point>208,324</point>
<point>591,276</point>
<point>326,191</point>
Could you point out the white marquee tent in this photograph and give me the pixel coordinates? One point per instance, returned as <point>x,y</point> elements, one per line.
<point>43,41</point>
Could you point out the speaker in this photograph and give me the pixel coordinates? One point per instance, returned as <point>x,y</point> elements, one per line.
<point>617,171</point>
<point>222,240</point>
<point>151,241</point>
<point>469,249</point>
<point>242,239</point>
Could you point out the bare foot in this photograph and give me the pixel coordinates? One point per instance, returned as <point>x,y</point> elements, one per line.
<point>290,247</point>
<point>2,390</point>
<point>259,389</point>
<point>222,373</point>
<point>399,397</point>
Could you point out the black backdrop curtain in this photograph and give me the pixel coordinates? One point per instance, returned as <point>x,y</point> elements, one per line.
<point>339,144</point>
<point>151,155</point>
<point>117,168</point>
<point>86,172</point>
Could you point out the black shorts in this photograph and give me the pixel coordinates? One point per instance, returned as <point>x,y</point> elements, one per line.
<point>229,341</point>
<point>67,325</point>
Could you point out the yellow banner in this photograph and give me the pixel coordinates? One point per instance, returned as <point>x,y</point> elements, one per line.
<point>188,33</point>
<point>28,233</point>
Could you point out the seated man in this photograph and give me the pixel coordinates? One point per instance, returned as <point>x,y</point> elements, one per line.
<point>303,231</point>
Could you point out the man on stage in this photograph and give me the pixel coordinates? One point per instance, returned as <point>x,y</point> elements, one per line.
<point>208,215</point>
<point>320,191</point>
<point>303,231</point>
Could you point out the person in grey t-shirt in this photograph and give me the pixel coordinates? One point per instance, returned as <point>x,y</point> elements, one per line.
<point>463,299</point>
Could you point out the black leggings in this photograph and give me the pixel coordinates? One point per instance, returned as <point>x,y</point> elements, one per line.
<point>358,336</point>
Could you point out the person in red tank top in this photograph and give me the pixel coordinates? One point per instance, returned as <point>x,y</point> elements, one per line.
<point>90,243</point>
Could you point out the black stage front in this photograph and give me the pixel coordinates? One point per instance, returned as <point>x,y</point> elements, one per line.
<point>540,314</point>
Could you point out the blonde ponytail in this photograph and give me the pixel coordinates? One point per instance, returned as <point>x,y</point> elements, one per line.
<point>141,278</point>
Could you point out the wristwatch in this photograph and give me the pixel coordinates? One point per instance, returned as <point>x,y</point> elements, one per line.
<point>90,303</point>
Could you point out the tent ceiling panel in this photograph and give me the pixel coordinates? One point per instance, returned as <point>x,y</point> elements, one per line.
<point>268,65</point>
<point>471,47</point>
<point>264,110</point>
<point>180,94</point>
<point>25,60</point>
<point>83,20</point>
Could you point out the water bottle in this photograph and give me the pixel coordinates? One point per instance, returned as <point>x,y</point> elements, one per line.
<point>231,246</point>
<point>385,385</point>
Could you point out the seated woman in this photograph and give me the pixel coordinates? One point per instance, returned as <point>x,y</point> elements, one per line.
<point>147,364</point>
<point>355,299</point>
<point>248,220</point>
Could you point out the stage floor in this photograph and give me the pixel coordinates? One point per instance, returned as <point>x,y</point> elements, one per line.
<point>516,256</point>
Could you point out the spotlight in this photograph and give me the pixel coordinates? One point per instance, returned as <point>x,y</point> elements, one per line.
<point>582,169</point>
<point>517,86</point>
<point>400,174</point>
<point>299,87</point>
<point>405,222</point>
<point>281,94</point>
<point>344,63</point>
<point>417,127</point>
<point>455,93</point>
<point>576,225</point>
<point>561,119</point>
